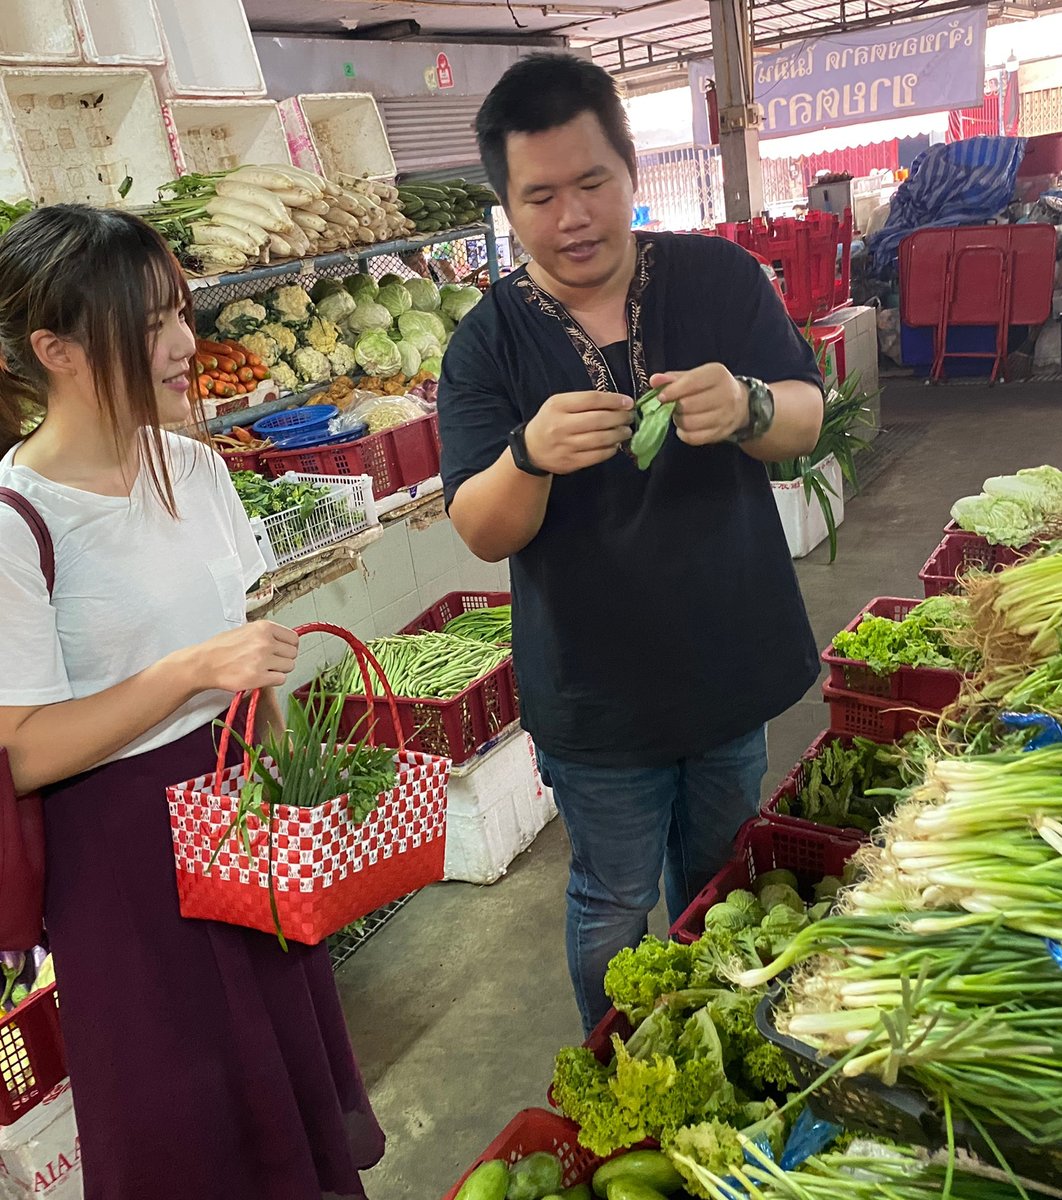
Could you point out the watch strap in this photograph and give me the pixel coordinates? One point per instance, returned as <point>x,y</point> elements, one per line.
<point>761,410</point>
<point>518,449</point>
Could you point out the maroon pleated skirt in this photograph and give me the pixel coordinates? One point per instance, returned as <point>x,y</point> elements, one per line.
<point>206,1063</point>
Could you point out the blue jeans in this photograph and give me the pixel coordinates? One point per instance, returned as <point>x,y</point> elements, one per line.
<point>626,825</point>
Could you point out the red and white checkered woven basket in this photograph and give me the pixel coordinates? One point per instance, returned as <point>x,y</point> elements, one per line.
<point>327,871</point>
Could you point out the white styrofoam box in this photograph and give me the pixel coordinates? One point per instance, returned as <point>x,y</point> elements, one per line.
<point>123,33</point>
<point>209,49</point>
<point>39,1154</point>
<point>496,805</point>
<point>38,32</point>
<point>218,135</point>
<point>337,133</point>
<point>74,134</point>
<point>803,520</point>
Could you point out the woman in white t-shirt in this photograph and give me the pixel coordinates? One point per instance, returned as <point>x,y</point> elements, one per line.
<point>206,1063</point>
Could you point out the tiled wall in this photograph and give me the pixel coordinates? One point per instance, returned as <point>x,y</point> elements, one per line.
<point>405,572</point>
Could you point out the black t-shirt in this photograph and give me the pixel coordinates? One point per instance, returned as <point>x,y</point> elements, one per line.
<point>656,614</point>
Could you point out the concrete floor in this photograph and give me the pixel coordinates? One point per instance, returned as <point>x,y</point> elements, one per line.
<point>458,1005</point>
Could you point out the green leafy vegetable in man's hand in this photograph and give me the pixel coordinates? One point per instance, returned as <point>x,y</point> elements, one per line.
<point>653,419</point>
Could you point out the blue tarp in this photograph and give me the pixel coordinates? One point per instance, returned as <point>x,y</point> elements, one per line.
<point>963,183</point>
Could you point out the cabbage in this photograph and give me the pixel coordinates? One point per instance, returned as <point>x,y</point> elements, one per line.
<point>424,293</point>
<point>1002,522</point>
<point>377,354</point>
<point>778,875</point>
<point>368,315</point>
<point>336,306</point>
<point>361,286</point>
<point>414,325</point>
<point>723,916</point>
<point>389,278</point>
<point>325,287</point>
<point>395,299</point>
<point>782,919</point>
<point>432,366</point>
<point>457,305</point>
<point>775,894</point>
<point>747,904</point>
<point>410,358</point>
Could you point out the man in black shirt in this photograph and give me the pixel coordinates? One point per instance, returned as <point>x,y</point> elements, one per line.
<point>657,623</point>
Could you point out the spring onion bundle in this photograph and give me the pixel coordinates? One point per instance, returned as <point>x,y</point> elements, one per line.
<point>983,833</point>
<point>969,1016</point>
<point>1017,613</point>
<point>893,1174</point>
<point>419,666</point>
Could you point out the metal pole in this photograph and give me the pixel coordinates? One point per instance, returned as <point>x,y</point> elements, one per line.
<point>493,269</point>
<point>739,118</point>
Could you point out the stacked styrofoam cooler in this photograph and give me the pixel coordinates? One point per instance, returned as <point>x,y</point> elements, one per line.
<point>338,134</point>
<point>496,806</point>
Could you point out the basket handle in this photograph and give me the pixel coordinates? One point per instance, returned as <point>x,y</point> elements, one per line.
<point>365,658</point>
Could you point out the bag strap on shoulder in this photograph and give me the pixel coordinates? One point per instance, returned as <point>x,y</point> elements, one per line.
<point>39,530</point>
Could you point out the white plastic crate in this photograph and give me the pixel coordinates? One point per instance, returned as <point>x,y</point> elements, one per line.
<point>209,49</point>
<point>218,135</point>
<point>347,509</point>
<point>496,805</point>
<point>803,519</point>
<point>123,33</point>
<point>338,133</point>
<point>39,1154</point>
<point>36,32</point>
<point>75,134</point>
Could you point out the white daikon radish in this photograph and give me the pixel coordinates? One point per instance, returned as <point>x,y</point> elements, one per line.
<point>252,194</point>
<point>206,233</point>
<point>307,220</point>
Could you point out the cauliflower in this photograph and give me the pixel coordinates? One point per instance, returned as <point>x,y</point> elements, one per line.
<point>263,345</point>
<point>290,305</point>
<point>343,360</point>
<point>311,366</point>
<point>321,335</point>
<point>284,377</point>
<point>282,335</point>
<point>240,318</point>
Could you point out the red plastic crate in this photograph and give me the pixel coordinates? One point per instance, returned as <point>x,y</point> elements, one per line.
<point>454,728</point>
<point>453,604</point>
<point>537,1129</point>
<point>243,460</point>
<point>958,553</point>
<point>794,782</point>
<point>32,1061</point>
<point>927,687</point>
<point>395,458</point>
<point>766,844</point>
<point>875,717</point>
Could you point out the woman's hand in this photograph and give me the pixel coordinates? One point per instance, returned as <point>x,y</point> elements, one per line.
<point>258,655</point>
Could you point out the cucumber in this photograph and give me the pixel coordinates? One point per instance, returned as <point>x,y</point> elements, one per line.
<point>489,1181</point>
<point>534,1176</point>
<point>651,1167</point>
<point>581,1191</point>
<point>632,1189</point>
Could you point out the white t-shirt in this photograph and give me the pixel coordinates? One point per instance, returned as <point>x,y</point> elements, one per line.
<point>132,584</point>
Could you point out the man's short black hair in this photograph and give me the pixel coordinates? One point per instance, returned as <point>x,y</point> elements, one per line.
<point>544,91</point>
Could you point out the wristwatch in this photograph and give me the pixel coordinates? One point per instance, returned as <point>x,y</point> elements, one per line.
<point>761,410</point>
<point>518,447</point>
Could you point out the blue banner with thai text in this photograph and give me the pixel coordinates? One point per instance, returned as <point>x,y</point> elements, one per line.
<point>929,65</point>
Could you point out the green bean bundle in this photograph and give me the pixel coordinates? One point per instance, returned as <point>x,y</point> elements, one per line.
<point>419,666</point>
<point>493,625</point>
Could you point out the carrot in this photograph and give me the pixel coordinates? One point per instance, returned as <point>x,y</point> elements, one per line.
<point>226,364</point>
<point>238,356</point>
<point>244,435</point>
<point>245,374</point>
<point>206,346</point>
<point>254,361</point>
<point>207,360</point>
<point>204,390</point>
<point>260,372</point>
<point>225,390</point>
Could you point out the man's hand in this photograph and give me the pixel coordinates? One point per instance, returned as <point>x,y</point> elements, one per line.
<point>710,404</point>
<point>574,430</point>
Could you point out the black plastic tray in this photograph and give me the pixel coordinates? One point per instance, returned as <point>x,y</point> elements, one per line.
<point>900,1113</point>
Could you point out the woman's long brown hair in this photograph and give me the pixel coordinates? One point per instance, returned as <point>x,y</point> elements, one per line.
<point>95,276</point>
